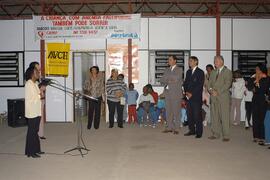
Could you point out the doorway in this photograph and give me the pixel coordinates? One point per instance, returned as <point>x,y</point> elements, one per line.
<point>82,61</point>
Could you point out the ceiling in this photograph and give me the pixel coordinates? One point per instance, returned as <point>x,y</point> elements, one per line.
<point>24,9</point>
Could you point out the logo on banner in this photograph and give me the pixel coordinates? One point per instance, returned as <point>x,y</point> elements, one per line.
<point>57,59</point>
<point>41,34</point>
<point>58,55</point>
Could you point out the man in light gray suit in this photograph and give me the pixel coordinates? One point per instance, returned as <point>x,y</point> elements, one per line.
<point>219,85</point>
<point>172,80</point>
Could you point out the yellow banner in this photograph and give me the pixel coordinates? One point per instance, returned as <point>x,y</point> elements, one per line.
<point>57,59</point>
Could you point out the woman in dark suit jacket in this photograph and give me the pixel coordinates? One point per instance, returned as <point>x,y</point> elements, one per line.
<point>260,83</point>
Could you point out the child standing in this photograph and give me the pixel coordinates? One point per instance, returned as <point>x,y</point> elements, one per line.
<point>153,112</point>
<point>248,105</point>
<point>206,109</point>
<point>183,112</point>
<point>131,100</point>
<point>160,109</point>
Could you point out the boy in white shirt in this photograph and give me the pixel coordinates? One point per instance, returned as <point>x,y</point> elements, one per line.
<point>145,102</point>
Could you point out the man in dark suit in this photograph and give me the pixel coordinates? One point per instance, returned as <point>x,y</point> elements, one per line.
<point>193,87</point>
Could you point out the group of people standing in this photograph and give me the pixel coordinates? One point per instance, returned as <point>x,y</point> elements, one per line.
<point>217,87</point>
<point>215,84</point>
<point>225,90</point>
<point>219,93</point>
<point>259,84</point>
<point>115,90</point>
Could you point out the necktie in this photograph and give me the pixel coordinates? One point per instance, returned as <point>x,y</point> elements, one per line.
<point>217,74</point>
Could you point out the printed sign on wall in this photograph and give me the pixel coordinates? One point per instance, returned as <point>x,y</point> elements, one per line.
<point>126,26</point>
<point>57,59</point>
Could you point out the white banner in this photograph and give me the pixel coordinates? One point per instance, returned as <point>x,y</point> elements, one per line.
<point>126,26</point>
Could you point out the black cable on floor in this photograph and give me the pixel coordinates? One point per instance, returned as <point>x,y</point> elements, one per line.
<point>46,153</point>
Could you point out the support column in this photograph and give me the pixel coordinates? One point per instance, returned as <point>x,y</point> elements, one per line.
<point>218,27</point>
<point>42,63</point>
<point>129,49</point>
<point>129,61</point>
<point>42,57</point>
<point>42,66</point>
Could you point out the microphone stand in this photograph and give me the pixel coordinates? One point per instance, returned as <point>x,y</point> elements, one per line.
<point>78,95</point>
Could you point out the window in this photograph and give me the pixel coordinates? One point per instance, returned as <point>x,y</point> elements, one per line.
<point>159,62</point>
<point>246,61</point>
<point>11,69</point>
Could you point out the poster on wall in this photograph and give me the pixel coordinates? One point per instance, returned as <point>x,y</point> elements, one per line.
<point>86,27</point>
<point>118,59</point>
<point>57,59</point>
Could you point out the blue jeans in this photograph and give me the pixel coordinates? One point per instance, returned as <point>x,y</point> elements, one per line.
<point>142,115</point>
<point>267,127</point>
<point>153,115</point>
<point>160,112</point>
<point>183,115</point>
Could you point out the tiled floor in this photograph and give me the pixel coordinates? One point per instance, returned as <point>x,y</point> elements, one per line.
<point>133,153</point>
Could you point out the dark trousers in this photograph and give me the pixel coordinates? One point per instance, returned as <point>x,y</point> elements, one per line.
<point>258,114</point>
<point>32,139</point>
<point>112,106</point>
<point>248,107</point>
<point>94,113</point>
<point>194,116</point>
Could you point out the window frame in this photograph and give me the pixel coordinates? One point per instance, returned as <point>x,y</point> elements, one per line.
<point>19,67</point>
<point>186,55</point>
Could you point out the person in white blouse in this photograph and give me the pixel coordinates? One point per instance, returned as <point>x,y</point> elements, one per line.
<point>248,104</point>
<point>146,100</point>
<point>32,112</point>
<point>36,65</point>
<point>238,89</point>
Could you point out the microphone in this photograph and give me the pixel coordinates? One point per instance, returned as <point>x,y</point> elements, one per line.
<point>46,81</point>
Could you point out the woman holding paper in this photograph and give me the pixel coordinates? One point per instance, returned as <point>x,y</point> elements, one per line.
<point>94,87</point>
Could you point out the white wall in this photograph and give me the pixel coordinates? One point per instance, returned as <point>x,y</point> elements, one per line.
<point>226,34</point>
<point>87,45</point>
<point>203,33</point>
<point>14,93</point>
<point>55,103</point>
<point>207,57</point>
<point>29,37</point>
<point>11,36</point>
<point>143,69</point>
<point>169,33</point>
<point>143,43</point>
<point>194,34</point>
<point>251,34</point>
